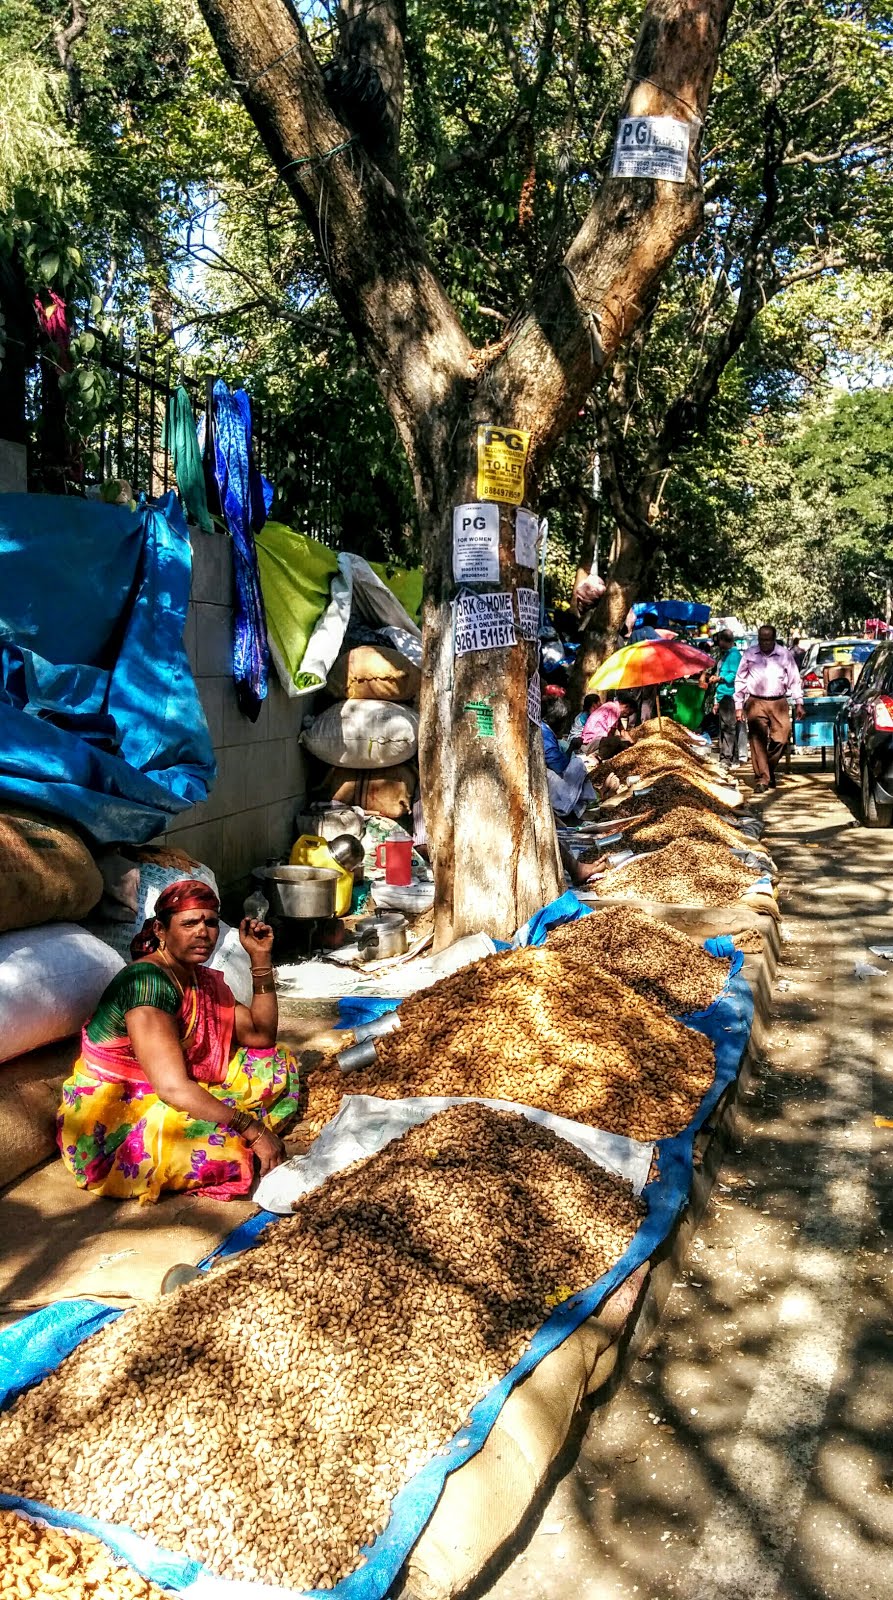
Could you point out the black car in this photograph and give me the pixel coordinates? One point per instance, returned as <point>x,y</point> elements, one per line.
<point>863,739</point>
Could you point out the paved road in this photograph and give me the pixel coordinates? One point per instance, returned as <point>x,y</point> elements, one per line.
<point>750,1456</point>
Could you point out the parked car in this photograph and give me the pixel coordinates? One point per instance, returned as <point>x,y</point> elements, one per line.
<point>829,653</point>
<point>863,739</point>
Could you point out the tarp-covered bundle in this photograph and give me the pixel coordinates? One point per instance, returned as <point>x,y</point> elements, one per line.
<point>691,612</point>
<point>100,721</point>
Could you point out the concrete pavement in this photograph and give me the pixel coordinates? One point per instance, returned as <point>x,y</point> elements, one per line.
<point>750,1455</point>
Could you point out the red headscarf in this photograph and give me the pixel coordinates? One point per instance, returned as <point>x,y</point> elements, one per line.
<point>188,894</point>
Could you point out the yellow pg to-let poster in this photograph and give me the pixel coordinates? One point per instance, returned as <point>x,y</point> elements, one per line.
<point>502,458</point>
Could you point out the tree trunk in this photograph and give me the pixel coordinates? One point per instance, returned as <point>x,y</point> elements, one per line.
<point>485,796</point>
<point>602,633</point>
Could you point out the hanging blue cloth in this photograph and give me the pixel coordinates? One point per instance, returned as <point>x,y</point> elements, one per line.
<point>242,502</point>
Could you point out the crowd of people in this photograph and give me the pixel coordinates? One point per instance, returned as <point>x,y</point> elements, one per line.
<point>743,698</point>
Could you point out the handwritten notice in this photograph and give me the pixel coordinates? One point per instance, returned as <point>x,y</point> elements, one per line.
<point>527,529</point>
<point>484,622</point>
<point>502,458</point>
<point>534,700</point>
<point>476,543</point>
<point>651,147</point>
<point>528,613</point>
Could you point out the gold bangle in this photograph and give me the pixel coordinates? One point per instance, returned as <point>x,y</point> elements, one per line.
<point>261,1127</point>
<point>264,987</point>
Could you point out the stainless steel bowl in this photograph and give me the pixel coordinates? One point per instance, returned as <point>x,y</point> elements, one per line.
<point>349,854</point>
<point>299,891</point>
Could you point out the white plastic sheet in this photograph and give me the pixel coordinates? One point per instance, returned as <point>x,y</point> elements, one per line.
<point>354,587</point>
<point>365,1124</point>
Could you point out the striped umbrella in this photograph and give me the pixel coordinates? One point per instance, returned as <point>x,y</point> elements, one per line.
<point>640,666</point>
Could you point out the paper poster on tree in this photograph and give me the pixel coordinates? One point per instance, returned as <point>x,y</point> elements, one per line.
<point>484,622</point>
<point>527,532</point>
<point>502,459</point>
<point>528,613</point>
<point>476,543</point>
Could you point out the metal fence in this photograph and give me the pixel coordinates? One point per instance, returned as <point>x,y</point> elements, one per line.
<point>134,384</point>
<point>129,440</point>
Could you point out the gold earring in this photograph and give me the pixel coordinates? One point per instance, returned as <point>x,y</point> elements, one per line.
<point>162,945</point>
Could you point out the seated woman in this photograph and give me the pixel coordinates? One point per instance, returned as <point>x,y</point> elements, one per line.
<point>177,1086</point>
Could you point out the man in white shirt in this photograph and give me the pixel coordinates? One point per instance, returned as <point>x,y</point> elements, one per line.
<point>767,678</point>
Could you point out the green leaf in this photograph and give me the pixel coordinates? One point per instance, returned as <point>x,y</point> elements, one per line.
<point>49,265</point>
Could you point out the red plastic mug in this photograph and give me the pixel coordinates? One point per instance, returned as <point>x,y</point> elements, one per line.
<point>397,860</point>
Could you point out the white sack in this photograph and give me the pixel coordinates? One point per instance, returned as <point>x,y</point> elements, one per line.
<point>368,734</point>
<point>51,979</point>
<point>364,1124</point>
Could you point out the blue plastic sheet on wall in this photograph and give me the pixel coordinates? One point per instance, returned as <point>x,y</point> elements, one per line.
<point>727,1023</point>
<point>100,720</point>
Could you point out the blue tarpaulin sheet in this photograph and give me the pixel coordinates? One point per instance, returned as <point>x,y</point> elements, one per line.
<point>100,721</point>
<point>34,1346</point>
<point>669,611</point>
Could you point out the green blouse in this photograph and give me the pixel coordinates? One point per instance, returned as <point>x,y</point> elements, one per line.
<point>141,984</point>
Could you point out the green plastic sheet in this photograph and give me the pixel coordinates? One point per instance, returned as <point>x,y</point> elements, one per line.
<point>405,583</point>
<point>295,575</point>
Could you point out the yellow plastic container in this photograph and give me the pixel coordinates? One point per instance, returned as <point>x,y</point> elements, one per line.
<point>312,851</point>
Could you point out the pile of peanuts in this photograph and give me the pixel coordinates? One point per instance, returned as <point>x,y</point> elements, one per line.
<point>659,962</point>
<point>685,822</point>
<point>687,872</point>
<point>674,789</point>
<point>36,1561</point>
<point>655,755</point>
<point>262,1417</point>
<point>535,1027</point>
<point>665,729</point>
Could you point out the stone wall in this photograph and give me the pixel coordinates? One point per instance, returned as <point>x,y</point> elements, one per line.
<point>261,776</point>
<point>13,467</point>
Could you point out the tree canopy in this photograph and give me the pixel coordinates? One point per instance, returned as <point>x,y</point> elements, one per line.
<point>133,183</point>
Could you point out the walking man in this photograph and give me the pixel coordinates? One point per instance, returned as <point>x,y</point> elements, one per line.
<point>766,680</point>
<point>726,663</point>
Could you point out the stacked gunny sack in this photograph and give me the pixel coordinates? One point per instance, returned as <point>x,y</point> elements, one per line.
<point>366,740</point>
<point>52,973</point>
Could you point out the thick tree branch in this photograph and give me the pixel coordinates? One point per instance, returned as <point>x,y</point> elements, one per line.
<point>372,251</point>
<point>582,313</point>
<point>65,40</point>
<point>374,36</point>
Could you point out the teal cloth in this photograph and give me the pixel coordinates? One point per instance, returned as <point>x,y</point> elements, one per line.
<point>181,439</point>
<point>728,668</point>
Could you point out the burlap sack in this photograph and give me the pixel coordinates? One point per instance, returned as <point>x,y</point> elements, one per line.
<point>371,673</point>
<point>30,1091</point>
<point>47,874</point>
<point>387,794</point>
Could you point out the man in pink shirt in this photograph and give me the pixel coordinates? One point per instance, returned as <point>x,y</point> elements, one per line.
<point>767,678</point>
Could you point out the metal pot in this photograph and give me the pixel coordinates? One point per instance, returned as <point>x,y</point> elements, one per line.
<point>382,935</point>
<point>299,891</point>
<point>349,854</point>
